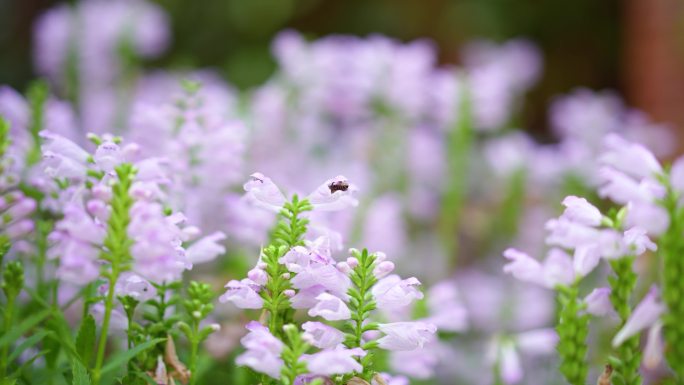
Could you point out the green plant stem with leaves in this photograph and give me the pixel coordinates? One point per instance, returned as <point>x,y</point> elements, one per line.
<point>361,304</point>
<point>12,283</point>
<point>116,251</point>
<point>572,329</point>
<point>671,250</point>
<point>289,232</point>
<point>292,351</point>
<point>628,355</point>
<point>198,306</point>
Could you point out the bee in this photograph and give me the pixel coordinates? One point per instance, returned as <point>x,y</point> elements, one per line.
<point>340,185</point>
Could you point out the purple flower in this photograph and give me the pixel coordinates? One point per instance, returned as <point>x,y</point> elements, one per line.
<point>334,194</point>
<point>330,307</point>
<point>242,294</point>
<point>417,363</point>
<point>447,311</point>
<point>336,361</point>
<point>523,267</point>
<point>206,249</point>
<point>579,210</point>
<point>63,158</point>
<point>321,335</point>
<point>393,293</point>
<point>598,302</point>
<point>133,285</point>
<point>156,250</point>
<point>647,312</point>
<point>262,350</point>
<point>630,158</point>
<point>585,259</point>
<point>406,335</point>
<point>653,351</point>
<point>537,341</point>
<point>637,240</point>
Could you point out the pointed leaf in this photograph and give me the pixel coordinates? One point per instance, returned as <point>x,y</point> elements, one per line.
<point>85,340</point>
<point>19,330</point>
<point>80,373</point>
<point>122,357</point>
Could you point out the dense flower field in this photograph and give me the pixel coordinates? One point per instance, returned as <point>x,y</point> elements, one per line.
<point>366,216</point>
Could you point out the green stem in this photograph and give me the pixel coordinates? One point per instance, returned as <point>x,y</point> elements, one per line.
<point>671,248</point>
<point>9,313</point>
<point>626,366</point>
<point>194,347</point>
<point>572,328</point>
<point>361,304</point>
<point>109,305</point>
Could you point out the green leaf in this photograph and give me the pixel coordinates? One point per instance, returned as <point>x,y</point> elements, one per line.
<point>80,373</point>
<point>85,340</point>
<point>34,339</point>
<point>19,330</point>
<point>123,356</point>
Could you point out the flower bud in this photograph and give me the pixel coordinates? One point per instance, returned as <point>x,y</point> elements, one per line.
<point>289,293</point>
<point>258,275</point>
<point>352,262</point>
<point>380,256</point>
<point>383,268</point>
<point>343,267</point>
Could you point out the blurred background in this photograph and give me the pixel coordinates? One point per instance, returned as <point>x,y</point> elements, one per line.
<point>633,46</point>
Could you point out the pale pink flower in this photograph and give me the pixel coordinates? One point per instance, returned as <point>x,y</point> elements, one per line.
<point>645,314</point>
<point>337,361</point>
<point>598,302</point>
<point>392,293</point>
<point>406,335</point>
<point>330,307</point>
<point>581,211</point>
<point>321,335</point>
<point>242,294</point>
<point>262,350</point>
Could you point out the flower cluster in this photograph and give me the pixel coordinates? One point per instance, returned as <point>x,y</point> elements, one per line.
<point>293,274</point>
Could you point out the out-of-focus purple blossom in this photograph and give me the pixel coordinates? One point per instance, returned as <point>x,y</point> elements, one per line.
<point>93,32</point>
<point>385,227</point>
<point>598,302</point>
<point>493,83</point>
<point>653,351</point>
<point>417,363</point>
<point>509,154</point>
<point>629,157</point>
<point>537,341</point>
<point>262,350</point>
<point>581,211</point>
<point>206,249</point>
<point>446,309</point>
